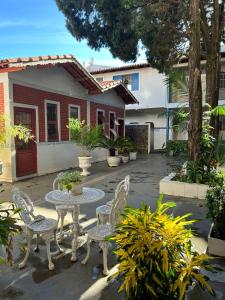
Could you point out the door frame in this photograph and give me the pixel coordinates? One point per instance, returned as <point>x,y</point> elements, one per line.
<point>36,125</point>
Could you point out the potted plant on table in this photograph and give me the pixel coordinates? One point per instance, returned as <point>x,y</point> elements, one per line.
<point>215,202</point>
<point>71,181</point>
<point>87,138</point>
<point>112,146</point>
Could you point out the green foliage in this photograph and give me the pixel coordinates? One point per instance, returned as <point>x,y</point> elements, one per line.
<point>17,131</point>
<point>219,152</point>
<point>179,148</point>
<point>155,254</point>
<point>84,135</point>
<point>124,145</point>
<point>215,202</point>
<point>123,24</point>
<point>67,180</point>
<point>109,143</point>
<point>8,227</point>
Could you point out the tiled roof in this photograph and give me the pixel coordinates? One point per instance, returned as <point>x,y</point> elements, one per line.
<point>67,61</point>
<point>35,59</point>
<point>121,89</point>
<point>122,68</point>
<point>110,83</point>
<point>72,66</point>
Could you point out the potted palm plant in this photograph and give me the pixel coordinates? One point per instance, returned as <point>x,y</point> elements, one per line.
<point>71,181</point>
<point>112,145</point>
<point>124,148</point>
<point>133,151</point>
<point>87,138</point>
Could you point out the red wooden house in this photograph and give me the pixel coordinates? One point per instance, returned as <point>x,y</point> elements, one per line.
<point>42,93</point>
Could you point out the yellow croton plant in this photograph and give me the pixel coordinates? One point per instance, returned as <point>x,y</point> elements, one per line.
<point>156,260</point>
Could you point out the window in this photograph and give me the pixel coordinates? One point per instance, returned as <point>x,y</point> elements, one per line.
<point>112,118</point>
<point>99,79</point>
<point>100,118</point>
<point>131,80</point>
<point>74,112</point>
<point>52,122</point>
<point>222,80</point>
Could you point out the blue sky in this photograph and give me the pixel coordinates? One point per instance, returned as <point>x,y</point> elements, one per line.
<point>37,27</point>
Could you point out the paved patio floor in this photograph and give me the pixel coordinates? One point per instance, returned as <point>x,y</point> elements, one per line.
<point>78,282</point>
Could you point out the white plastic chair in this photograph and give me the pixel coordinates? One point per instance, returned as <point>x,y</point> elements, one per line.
<point>103,211</point>
<point>101,231</point>
<point>35,225</point>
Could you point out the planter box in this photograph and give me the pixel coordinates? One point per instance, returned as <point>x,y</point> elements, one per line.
<point>215,246</point>
<point>177,188</point>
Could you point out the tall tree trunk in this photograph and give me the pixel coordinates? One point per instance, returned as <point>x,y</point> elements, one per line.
<point>212,85</point>
<point>212,34</point>
<point>195,87</point>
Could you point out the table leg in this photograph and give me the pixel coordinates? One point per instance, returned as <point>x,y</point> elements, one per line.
<point>76,230</point>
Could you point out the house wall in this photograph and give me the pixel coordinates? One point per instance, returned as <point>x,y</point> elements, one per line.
<point>156,117</point>
<point>31,88</point>
<point>152,91</point>
<point>6,150</point>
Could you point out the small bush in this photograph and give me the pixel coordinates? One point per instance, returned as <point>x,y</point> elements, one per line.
<point>177,147</point>
<point>155,254</point>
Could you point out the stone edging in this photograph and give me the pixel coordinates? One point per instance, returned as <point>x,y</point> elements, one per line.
<point>177,188</point>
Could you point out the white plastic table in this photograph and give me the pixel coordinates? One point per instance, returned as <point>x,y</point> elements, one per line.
<point>89,195</point>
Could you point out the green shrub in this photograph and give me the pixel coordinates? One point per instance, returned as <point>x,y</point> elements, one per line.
<point>84,135</point>
<point>8,227</point>
<point>177,147</point>
<point>215,202</point>
<point>155,254</point>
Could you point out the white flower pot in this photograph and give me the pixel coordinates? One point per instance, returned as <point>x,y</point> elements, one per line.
<point>215,246</point>
<point>113,161</point>
<point>125,159</point>
<point>85,164</point>
<point>133,155</point>
<point>1,167</point>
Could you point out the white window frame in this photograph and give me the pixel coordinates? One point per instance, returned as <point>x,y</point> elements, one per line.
<point>58,121</point>
<point>123,125</point>
<point>100,110</point>
<point>69,107</point>
<point>112,112</point>
<point>125,74</point>
<point>76,106</point>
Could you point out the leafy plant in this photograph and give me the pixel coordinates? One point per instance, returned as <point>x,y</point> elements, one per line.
<point>219,152</point>
<point>177,147</point>
<point>156,260</point>
<point>110,144</point>
<point>84,135</point>
<point>68,179</point>
<point>18,131</point>
<point>215,202</point>
<point>8,227</point>
<point>124,145</point>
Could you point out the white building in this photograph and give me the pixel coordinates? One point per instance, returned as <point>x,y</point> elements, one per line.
<point>155,101</point>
